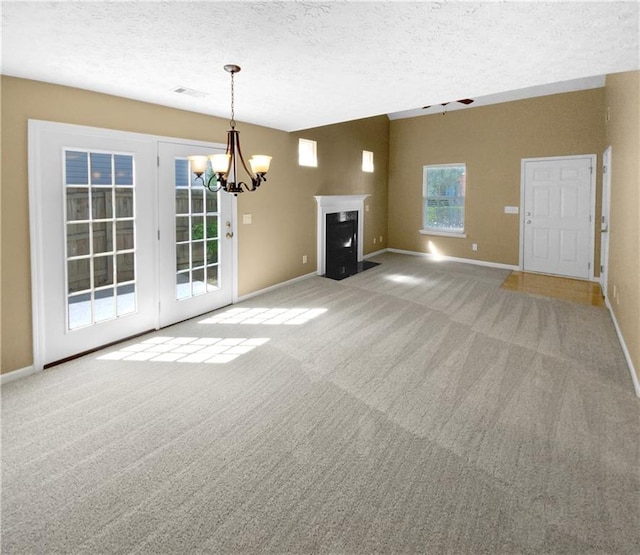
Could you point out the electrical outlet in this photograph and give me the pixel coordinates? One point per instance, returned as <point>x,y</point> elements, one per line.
<point>247,218</point>
<point>615,291</point>
<point>474,247</point>
<point>381,238</point>
<point>304,258</point>
<point>374,240</point>
<point>366,208</point>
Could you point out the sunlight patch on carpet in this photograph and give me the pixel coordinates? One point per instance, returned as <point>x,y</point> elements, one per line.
<point>215,350</point>
<point>266,316</point>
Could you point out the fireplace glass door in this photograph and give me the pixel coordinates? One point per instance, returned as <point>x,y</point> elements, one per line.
<point>341,244</point>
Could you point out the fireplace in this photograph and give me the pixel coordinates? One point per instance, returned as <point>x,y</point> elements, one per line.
<point>340,235</point>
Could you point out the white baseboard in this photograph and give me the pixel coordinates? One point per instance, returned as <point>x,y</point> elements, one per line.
<point>454,259</point>
<point>627,355</point>
<point>276,286</point>
<point>17,374</point>
<point>372,254</point>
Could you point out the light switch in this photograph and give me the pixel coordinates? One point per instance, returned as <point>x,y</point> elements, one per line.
<point>511,210</point>
<point>246,218</point>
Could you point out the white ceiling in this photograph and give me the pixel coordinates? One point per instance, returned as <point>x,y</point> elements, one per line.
<point>309,63</point>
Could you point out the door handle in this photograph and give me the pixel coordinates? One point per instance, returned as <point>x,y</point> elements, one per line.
<point>229,234</point>
<point>528,213</point>
<point>528,221</point>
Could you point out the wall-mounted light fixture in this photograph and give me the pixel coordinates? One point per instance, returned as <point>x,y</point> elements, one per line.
<point>225,167</point>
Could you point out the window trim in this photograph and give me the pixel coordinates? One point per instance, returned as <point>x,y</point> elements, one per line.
<point>433,231</point>
<point>443,232</point>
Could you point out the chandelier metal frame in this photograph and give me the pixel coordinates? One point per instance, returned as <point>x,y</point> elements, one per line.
<point>225,166</point>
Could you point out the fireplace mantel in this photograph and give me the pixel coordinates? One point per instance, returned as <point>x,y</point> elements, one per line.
<point>329,204</point>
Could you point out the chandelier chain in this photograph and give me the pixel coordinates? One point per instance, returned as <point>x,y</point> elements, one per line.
<point>233,113</point>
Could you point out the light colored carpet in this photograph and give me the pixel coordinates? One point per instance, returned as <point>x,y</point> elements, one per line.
<point>426,410</point>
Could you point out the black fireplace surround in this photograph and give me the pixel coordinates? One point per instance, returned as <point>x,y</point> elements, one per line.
<point>341,247</point>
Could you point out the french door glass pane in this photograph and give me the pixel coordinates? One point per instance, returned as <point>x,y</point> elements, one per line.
<point>102,270</point>
<point>124,235</point>
<point>126,300</point>
<point>102,237</point>
<point>212,252</point>
<point>100,202</point>
<point>79,275</point>
<point>124,169</point>
<point>77,203</point>
<point>100,168</point>
<point>76,168</point>
<point>124,203</point>
<point>197,223</point>
<point>78,239</point>
<point>126,269</point>
<point>105,307</point>
<point>79,310</point>
<point>212,277</point>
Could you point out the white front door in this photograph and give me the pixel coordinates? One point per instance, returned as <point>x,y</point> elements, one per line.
<point>93,248</point>
<point>197,238</point>
<point>604,221</point>
<point>556,217</point>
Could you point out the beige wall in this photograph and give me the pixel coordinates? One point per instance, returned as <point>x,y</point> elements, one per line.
<point>623,134</point>
<point>491,140</point>
<point>283,210</point>
<point>339,168</point>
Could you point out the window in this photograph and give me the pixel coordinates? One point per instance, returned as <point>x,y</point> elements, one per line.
<point>367,161</point>
<point>443,192</point>
<point>197,219</point>
<point>100,236</point>
<point>307,153</point>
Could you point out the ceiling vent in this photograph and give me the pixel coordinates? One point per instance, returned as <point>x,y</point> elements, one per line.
<point>189,92</point>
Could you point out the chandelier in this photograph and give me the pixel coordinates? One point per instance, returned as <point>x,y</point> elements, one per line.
<point>225,167</point>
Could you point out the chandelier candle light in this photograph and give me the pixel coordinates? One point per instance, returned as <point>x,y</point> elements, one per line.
<point>225,166</point>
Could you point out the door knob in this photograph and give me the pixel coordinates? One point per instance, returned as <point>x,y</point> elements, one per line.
<point>528,221</point>
<point>528,213</point>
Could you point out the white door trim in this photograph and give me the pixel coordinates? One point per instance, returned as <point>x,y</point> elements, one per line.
<point>605,219</point>
<point>593,158</point>
<point>36,132</point>
<point>37,264</point>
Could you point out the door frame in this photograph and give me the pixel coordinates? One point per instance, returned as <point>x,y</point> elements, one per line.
<point>35,131</point>
<point>592,233</point>
<point>605,220</point>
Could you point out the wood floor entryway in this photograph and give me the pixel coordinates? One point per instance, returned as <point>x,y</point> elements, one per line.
<point>575,290</point>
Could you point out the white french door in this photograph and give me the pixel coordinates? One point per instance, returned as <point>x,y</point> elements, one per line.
<point>196,238</point>
<point>119,247</point>
<point>556,216</point>
<point>93,253</point>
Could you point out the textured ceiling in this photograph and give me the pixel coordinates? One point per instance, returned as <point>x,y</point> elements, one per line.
<point>306,64</point>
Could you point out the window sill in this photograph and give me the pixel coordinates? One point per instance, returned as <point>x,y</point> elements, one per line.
<point>458,234</point>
